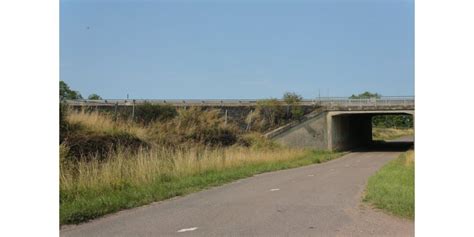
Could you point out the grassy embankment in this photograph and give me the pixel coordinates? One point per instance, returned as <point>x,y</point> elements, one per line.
<point>390,133</point>
<point>91,186</point>
<point>392,188</point>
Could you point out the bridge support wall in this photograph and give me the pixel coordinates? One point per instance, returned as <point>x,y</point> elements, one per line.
<point>312,133</point>
<point>334,130</point>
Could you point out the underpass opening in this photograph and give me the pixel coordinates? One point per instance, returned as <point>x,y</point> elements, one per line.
<point>354,130</point>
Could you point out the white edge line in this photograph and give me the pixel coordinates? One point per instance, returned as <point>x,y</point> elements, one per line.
<point>187,229</point>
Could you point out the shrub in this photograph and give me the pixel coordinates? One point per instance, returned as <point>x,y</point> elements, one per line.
<point>292,98</point>
<point>268,114</point>
<point>197,126</point>
<point>97,146</point>
<point>256,140</point>
<point>90,134</point>
<point>293,110</point>
<point>147,113</point>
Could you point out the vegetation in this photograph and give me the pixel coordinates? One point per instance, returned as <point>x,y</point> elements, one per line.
<point>392,188</point>
<point>94,97</point>
<point>293,111</point>
<point>195,126</point>
<point>107,164</point>
<point>272,113</point>
<point>390,133</point>
<point>65,93</point>
<point>392,121</point>
<point>92,189</point>
<point>386,121</point>
<point>147,113</point>
<point>366,95</point>
<point>124,180</point>
<point>89,134</point>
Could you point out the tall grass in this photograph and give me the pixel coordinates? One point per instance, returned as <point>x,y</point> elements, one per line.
<point>392,188</point>
<point>96,122</point>
<point>124,180</point>
<point>193,150</point>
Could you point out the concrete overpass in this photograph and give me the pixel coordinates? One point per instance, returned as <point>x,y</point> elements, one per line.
<point>335,123</point>
<point>340,125</point>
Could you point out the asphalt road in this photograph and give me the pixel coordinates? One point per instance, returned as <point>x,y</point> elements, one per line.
<point>315,200</point>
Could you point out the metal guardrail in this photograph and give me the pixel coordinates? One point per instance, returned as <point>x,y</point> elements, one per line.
<point>326,101</point>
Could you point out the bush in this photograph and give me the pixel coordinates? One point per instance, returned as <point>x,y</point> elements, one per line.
<point>147,113</point>
<point>256,140</point>
<point>85,146</point>
<point>268,114</point>
<point>196,126</point>
<point>294,111</point>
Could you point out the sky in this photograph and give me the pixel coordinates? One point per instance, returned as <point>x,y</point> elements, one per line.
<point>237,49</point>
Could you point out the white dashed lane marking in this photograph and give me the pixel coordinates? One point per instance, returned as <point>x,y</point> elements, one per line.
<point>274,189</point>
<point>187,229</point>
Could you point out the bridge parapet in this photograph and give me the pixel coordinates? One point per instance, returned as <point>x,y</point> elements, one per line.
<point>326,102</point>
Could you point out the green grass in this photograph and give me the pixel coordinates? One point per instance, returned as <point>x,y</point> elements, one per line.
<point>82,204</point>
<point>392,188</point>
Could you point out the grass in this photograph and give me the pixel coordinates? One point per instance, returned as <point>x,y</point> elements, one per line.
<point>98,123</point>
<point>390,133</point>
<point>124,180</point>
<point>392,188</point>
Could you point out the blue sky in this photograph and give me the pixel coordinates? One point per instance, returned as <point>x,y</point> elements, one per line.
<point>237,49</point>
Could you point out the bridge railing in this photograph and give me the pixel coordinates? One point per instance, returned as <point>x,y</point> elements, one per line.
<point>326,101</point>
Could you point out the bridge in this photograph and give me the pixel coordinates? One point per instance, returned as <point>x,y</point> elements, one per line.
<point>335,123</point>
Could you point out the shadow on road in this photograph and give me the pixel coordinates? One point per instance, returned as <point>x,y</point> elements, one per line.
<point>395,145</point>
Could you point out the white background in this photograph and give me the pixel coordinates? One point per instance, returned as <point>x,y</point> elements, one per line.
<point>29,75</point>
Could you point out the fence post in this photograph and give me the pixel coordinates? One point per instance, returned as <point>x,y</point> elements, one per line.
<point>115,112</point>
<point>250,121</point>
<point>225,121</point>
<point>133,110</point>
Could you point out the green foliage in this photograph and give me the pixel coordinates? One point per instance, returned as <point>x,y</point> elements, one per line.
<point>393,187</point>
<point>65,93</point>
<point>65,128</point>
<point>63,124</point>
<point>392,121</point>
<point>94,97</point>
<point>292,98</point>
<point>269,113</point>
<point>147,113</point>
<point>295,111</point>
<point>366,95</point>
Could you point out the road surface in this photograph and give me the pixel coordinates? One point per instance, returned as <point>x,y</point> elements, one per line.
<point>316,200</point>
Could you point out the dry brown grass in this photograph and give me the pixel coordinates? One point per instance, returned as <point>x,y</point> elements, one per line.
<point>410,158</point>
<point>93,121</point>
<point>391,133</point>
<point>145,166</point>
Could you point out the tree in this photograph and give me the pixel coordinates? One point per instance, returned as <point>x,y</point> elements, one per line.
<point>366,95</point>
<point>94,97</point>
<point>65,93</point>
<point>292,99</point>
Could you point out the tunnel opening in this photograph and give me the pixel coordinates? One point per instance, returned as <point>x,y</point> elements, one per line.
<point>384,131</point>
<point>392,132</point>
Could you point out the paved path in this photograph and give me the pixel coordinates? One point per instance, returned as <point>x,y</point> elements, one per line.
<point>315,200</point>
